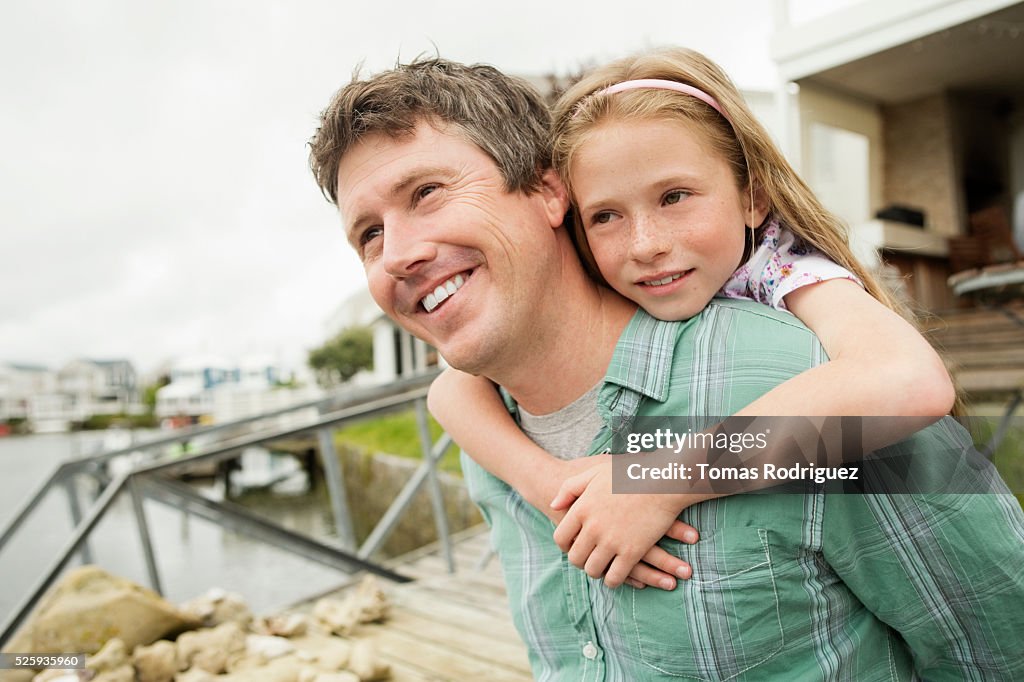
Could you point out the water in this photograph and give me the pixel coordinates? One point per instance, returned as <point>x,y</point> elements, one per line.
<point>192,554</point>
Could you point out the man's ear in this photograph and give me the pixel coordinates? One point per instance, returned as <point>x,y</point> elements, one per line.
<point>555,197</point>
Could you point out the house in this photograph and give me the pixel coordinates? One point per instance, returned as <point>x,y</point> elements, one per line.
<point>210,388</point>
<point>99,387</point>
<point>909,122</point>
<point>189,393</point>
<point>18,384</point>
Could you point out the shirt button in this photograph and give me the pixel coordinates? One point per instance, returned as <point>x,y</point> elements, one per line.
<point>589,651</point>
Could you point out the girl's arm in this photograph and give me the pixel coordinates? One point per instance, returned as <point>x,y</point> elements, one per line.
<point>882,364</point>
<point>471,411</point>
<point>879,366</point>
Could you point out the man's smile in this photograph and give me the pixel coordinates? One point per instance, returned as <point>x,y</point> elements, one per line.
<point>444,291</point>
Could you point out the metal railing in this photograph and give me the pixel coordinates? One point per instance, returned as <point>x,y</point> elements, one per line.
<point>152,480</point>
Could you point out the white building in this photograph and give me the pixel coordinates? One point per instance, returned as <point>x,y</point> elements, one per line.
<point>212,389</point>
<point>396,353</point>
<point>98,387</point>
<point>18,384</point>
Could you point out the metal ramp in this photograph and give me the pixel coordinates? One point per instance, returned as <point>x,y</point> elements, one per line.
<point>152,479</point>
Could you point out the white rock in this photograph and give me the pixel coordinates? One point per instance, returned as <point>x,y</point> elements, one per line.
<point>114,654</point>
<point>157,662</point>
<point>343,676</point>
<point>216,606</point>
<point>365,662</point>
<point>268,646</point>
<point>368,604</point>
<point>210,649</point>
<point>288,625</point>
<point>195,675</point>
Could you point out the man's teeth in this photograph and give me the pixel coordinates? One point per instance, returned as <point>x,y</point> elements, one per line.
<point>664,280</point>
<point>434,298</point>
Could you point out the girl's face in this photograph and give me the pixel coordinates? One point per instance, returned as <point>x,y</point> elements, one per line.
<point>662,213</point>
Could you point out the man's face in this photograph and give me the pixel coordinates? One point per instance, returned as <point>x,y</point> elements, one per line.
<point>449,254</point>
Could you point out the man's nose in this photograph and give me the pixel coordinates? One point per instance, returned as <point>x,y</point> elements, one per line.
<point>649,240</point>
<point>406,249</point>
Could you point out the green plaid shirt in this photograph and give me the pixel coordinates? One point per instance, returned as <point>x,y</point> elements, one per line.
<point>785,587</point>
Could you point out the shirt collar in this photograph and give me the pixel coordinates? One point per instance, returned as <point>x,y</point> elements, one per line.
<point>640,366</point>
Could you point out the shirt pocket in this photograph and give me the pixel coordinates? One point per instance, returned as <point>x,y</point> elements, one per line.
<point>719,624</point>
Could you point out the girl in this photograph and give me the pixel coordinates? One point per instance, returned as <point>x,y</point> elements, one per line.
<point>680,195</point>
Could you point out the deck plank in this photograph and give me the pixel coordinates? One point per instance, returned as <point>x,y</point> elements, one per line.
<point>446,626</point>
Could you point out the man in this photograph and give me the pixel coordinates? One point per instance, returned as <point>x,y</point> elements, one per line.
<point>442,177</point>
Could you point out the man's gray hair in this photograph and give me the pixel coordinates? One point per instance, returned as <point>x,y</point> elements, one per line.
<point>504,116</point>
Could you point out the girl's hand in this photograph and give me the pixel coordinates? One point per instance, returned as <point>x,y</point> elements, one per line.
<point>614,535</point>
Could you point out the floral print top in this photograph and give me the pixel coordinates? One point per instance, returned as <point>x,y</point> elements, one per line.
<point>781,264</point>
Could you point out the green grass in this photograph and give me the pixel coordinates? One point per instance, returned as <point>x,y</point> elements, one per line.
<point>396,434</point>
<point>1009,456</point>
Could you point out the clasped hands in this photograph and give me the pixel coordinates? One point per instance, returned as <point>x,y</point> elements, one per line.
<point>615,536</point>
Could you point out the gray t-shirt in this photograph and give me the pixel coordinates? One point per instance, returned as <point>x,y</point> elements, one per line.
<point>568,432</point>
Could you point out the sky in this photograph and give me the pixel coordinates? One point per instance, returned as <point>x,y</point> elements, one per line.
<point>155,196</point>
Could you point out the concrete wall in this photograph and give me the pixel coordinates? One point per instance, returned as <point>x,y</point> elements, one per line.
<point>372,482</point>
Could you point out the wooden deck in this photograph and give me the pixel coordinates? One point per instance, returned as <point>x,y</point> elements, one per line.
<point>449,626</point>
<point>984,347</point>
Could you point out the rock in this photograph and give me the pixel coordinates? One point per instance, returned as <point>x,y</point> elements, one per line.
<point>195,675</point>
<point>365,662</point>
<point>368,604</point>
<point>286,669</point>
<point>290,625</point>
<point>18,675</point>
<point>330,653</point>
<point>113,655</point>
<point>217,606</point>
<point>88,607</point>
<point>267,647</point>
<point>210,648</point>
<point>56,676</point>
<point>343,676</point>
<point>157,662</point>
<point>124,673</point>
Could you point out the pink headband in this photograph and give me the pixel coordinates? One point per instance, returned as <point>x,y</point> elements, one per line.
<point>661,84</point>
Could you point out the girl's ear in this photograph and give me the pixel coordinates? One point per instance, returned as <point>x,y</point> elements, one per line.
<point>555,197</point>
<point>755,205</point>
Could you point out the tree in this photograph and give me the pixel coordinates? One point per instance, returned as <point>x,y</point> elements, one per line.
<point>342,356</point>
<point>149,393</point>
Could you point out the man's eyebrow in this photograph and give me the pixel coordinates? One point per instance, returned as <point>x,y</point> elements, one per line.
<point>416,175</point>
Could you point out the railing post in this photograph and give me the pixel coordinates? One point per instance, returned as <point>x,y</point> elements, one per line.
<point>147,544</point>
<point>71,488</point>
<point>434,482</point>
<point>336,488</point>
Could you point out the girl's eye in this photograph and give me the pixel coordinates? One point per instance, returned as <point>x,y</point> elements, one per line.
<point>601,218</point>
<point>675,196</point>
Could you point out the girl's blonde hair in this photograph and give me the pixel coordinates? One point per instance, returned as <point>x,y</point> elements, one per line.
<point>758,165</point>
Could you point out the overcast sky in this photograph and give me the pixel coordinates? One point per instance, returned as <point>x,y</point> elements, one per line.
<point>155,199</point>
